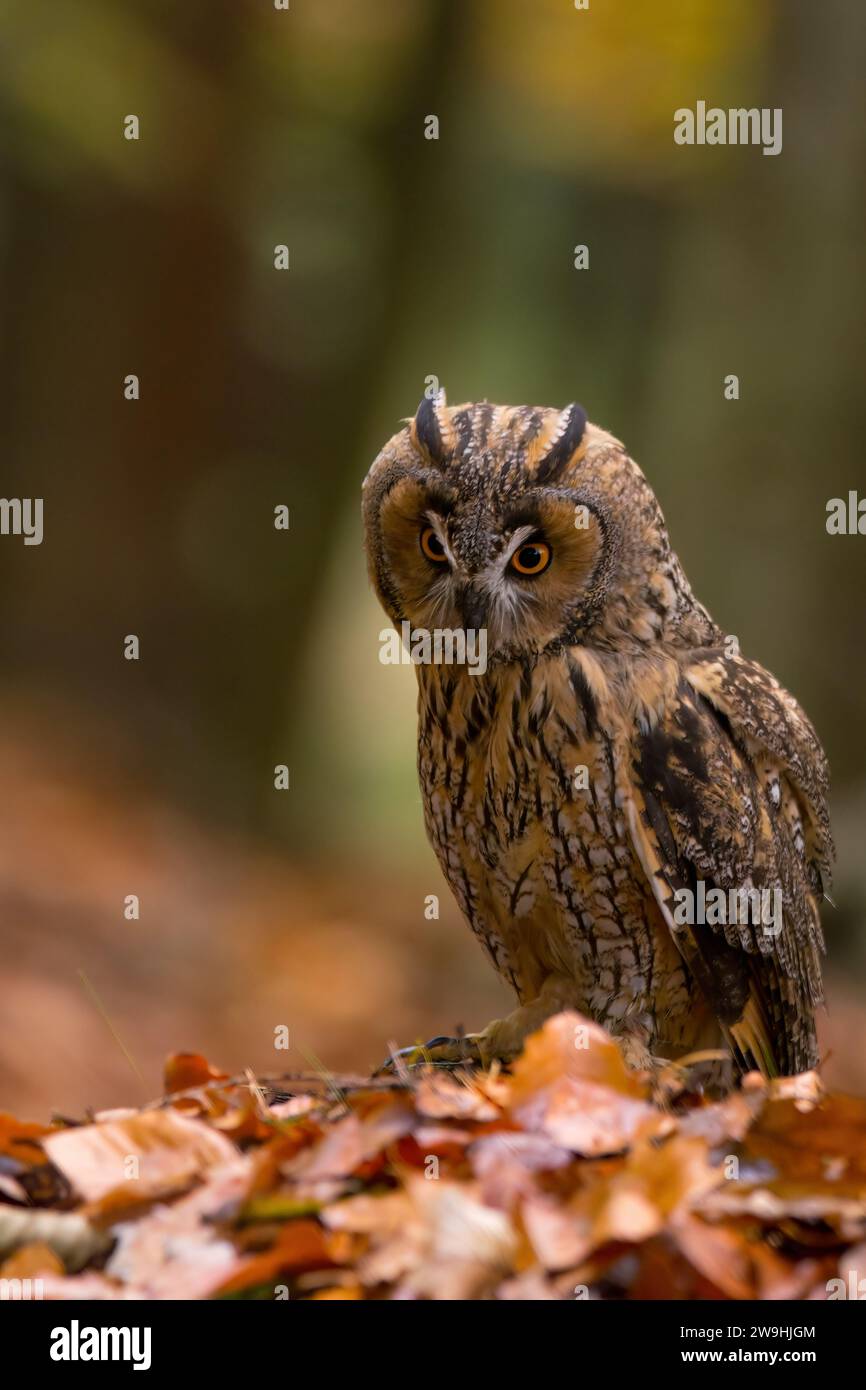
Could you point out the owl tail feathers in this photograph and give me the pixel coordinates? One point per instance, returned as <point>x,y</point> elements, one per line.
<point>775,1032</point>
<point>749,1038</point>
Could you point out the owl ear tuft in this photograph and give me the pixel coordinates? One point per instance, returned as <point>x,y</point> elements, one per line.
<point>567,437</point>
<point>426,427</point>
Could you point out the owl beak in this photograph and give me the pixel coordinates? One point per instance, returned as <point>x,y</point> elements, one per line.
<point>474,608</point>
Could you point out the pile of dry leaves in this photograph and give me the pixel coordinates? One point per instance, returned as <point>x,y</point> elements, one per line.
<point>569,1177</point>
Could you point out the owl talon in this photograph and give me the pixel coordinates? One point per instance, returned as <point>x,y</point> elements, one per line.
<point>438,1052</point>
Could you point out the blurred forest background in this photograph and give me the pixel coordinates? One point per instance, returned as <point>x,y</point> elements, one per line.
<point>409,258</point>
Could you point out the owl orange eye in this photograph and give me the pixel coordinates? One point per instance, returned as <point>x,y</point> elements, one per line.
<point>532,558</point>
<point>432,547</point>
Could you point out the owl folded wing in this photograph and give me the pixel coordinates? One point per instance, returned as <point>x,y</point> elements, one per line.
<point>726,802</point>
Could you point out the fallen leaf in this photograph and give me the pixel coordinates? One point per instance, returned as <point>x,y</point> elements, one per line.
<point>465,1247</point>
<point>186,1070</point>
<point>564,1179</point>
<point>571,1082</point>
<point>506,1164</point>
<point>367,1215</point>
<point>643,1193</point>
<point>301,1245</point>
<point>344,1293</point>
<point>529,1287</point>
<point>294,1107</point>
<point>443,1097</point>
<point>724,1120</point>
<point>352,1142</point>
<point>69,1234</point>
<point>798,1142</point>
<point>723,1254</point>
<point>145,1154</point>
<point>32,1260</point>
<point>179,1251</point>
<point>20,1140</point>
<point>92,1287</point>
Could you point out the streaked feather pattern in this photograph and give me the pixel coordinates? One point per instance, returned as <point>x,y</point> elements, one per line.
<point>700,768</point>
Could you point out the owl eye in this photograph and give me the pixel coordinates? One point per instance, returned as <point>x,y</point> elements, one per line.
<point>432,547</point>
<point>532,558</point>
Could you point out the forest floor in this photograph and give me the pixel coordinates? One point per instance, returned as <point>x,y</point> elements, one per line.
<point>566,1177</point>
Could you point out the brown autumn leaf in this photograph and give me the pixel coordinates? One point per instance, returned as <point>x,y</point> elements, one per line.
<point>91,1287</point>
<point>464,1247</point>
<point>351,1142</point>
<point>294,1107</point>
<point>507,1162</point>
<point>30,1261</point>
<point>571,1082</point>
<point>431,1138</point>
<point>145,1154</point>
<point>532,1286</point>
<point>368,1215</point>
<point>721,1253</point>
<point>186,1070</point>
<point>658,1271</point>
<point>641,1195</point>
<point>737,1200</point>
<point>848,1280</point>
<point>737,1262</point>
<point>301,1245</point>
<point>393,1229</point>
<point>438,1238</point>
<point>815,1145</point>
<point>806,1090</point>
<point>337,1292</point>
<point>804,1158</point>
<point>443,1097</point>
<point>11,1189</point>
<point>565,1179</point>
<point>722,1121</point>
<point>20,1140</point>
<point>184,1250</point>
<point>242,1119</point>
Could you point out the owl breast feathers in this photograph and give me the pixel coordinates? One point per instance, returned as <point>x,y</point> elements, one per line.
<point>630,814</point>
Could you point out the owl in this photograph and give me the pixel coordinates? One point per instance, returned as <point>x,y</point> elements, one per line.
<point>630,813</point>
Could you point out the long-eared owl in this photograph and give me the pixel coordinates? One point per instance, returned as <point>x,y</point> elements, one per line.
<point>630,814</point>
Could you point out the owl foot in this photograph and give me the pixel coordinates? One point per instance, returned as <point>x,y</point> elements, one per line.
<point>700,1073</point>
<point>438,1052</point>
<point>709,1072</point>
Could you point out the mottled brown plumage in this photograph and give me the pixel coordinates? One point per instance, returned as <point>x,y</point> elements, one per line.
<point>616,751</point>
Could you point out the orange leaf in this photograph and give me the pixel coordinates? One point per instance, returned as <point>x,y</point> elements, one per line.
<point>30,1261</point>
<point>17,1139</point>
<point>143,1154</point>
<point>642,1195</point>
<point>301,1245</point>
<point>184,1070</point>
<point>572,1083</point>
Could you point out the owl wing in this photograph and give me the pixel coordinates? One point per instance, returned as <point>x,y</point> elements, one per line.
<point>729,788</point>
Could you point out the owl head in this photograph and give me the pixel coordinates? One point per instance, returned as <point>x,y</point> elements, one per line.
<point>528,522</point>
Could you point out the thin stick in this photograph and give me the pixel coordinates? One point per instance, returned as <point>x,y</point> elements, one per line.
<point>97,1004</point>
<point>327,1076</point>
<point>302,1082</point>
<point>257,1094</point>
